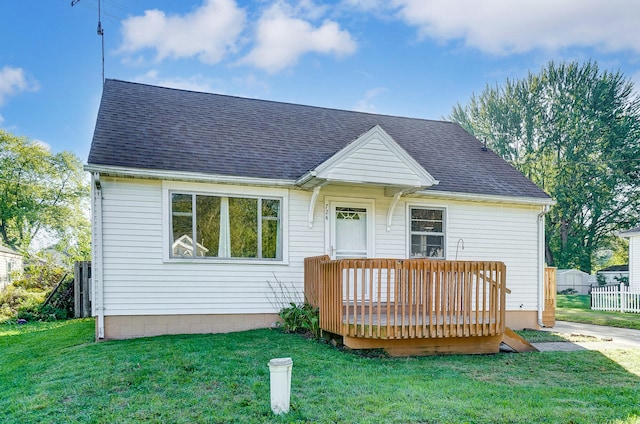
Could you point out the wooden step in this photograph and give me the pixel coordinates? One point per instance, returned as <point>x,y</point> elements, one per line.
<point>517,343</point>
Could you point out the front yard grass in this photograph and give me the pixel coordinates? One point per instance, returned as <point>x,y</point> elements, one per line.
<point>57,373</point>
<point>577,308</point>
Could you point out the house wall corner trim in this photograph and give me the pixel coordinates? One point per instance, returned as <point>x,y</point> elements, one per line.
<point>97,251</point>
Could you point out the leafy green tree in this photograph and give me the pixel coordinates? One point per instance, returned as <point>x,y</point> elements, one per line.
<point>42,195</point>
<point>574,130</point>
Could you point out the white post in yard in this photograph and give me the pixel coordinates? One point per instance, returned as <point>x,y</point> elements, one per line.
<point>280,370</point>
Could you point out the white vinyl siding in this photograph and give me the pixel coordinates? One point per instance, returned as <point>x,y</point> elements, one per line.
<point>364,165</point>
<point>9,263</point>
<point>141,279</point>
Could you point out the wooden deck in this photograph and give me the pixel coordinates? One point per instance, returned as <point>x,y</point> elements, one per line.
<point>410,306</point>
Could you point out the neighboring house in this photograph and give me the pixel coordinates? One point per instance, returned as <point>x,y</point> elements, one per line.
<point>634,256</point>
<point>261,185</point>
<point>613,274</point>
<point>573,279</point>
<point>10,262</point>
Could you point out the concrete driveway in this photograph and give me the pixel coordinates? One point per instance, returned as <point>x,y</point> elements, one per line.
<point>609,337</point>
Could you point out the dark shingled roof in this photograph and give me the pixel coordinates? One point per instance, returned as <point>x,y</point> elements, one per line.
<point>156,128</point>
<point>631,231</point>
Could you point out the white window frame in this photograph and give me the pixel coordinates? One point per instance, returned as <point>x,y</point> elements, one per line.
<point>445,227</point>
<point>219,190</point>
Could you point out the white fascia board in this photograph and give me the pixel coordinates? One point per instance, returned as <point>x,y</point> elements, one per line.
<point>491,198</point>
<point>120,171</point>
<point>377,131</point>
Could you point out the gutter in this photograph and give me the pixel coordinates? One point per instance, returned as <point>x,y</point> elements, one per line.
<point>541,249</point>
<point>492,198</point>
<point>97,250</point>
<point>121,171</point>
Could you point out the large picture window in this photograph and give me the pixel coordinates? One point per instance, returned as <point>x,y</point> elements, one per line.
<point>204,226</point>
<point>427,233</point>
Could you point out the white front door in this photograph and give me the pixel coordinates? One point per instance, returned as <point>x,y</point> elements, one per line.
<point>351,227</point>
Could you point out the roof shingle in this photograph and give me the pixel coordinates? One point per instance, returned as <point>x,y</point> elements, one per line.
<point>156,128</point>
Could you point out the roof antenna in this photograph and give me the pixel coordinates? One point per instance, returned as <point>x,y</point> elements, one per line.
<point>484,147</point>
<point>100,31</point>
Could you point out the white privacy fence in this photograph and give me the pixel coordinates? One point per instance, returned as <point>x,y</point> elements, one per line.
<point>615,298</point>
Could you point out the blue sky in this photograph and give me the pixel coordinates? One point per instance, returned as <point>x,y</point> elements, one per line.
<point>415,58</point>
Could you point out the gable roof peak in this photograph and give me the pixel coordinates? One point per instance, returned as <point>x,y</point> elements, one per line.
<point>374,158</point>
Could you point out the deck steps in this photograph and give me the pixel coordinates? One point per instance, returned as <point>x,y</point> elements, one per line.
<point>517,343</point>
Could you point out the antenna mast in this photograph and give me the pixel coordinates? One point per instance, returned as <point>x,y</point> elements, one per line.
<point>101,34</point>
<point>100,31</point>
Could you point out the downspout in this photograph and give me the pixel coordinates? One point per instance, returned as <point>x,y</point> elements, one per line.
<point>96,272</point>
<point>541,250</point>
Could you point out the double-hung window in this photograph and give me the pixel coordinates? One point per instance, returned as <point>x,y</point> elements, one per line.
<point>211,226</point>
<point>427,232</point>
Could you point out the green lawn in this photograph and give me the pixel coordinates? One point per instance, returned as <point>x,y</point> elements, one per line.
<point>577,308</point>
<point>57,373</point>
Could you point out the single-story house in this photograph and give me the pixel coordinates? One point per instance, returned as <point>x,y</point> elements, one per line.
<point>573,279</point>
<point>262,185</point>
<point>613,274</point>
<point>634,256</point>
<point>10,262</point>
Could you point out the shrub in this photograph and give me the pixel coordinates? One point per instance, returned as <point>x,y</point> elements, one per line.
<point>301,319</point>
<point>622,280</point>
<point>40,275</point>
<point>24,297</point>
<point>16,300</point>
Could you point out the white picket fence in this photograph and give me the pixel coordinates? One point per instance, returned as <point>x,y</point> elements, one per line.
<point>615,298</point>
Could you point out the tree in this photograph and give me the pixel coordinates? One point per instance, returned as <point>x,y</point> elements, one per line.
<point>574,131</point>
<point>42,195</point>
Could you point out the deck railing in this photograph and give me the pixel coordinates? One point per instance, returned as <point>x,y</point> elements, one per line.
<point>549,311</point>
<point>410,298</point>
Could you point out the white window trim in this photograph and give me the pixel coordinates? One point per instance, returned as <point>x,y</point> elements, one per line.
<point>445,210</point>
<point>229,191</point>
<point>370,204</point>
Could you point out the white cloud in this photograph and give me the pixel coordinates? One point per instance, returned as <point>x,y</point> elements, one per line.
<point>1,119</point>
<point>14,81</point>
<point>282,37</point>
<point>44,145</point>
<point>503,27</point>
<point>365,104</point>
<point>193,83</point>
<point>208,33</point>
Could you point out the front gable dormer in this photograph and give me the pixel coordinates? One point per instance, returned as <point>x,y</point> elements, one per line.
<point>374,158</point>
